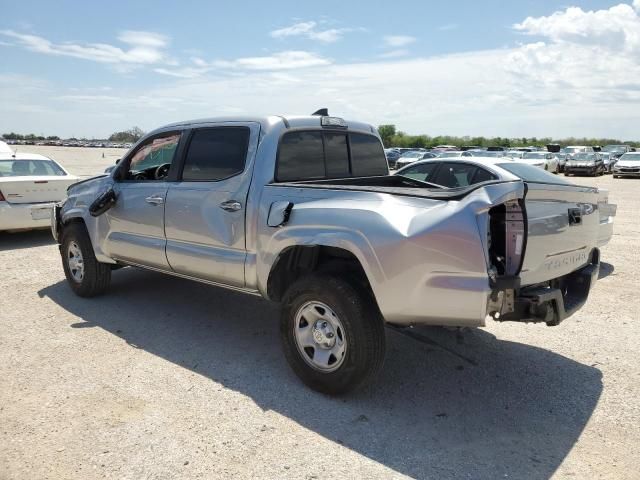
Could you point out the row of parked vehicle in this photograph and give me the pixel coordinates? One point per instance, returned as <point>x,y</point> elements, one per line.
<point>572,160</point>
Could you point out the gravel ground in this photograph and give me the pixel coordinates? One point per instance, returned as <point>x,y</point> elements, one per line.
<point>166,378</point>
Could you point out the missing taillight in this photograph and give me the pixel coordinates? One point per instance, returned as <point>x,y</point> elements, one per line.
<point>507,237</point>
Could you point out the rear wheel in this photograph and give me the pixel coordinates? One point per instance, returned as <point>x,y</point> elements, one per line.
<point>332,334</point>
<point>86,276</point>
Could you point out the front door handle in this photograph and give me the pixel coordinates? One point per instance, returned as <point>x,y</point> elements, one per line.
<point>231,206</point>
<point>154,200</point>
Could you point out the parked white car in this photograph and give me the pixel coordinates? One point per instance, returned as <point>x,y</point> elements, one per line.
<point>628,165</point>
<point>545,160</point>
<point>30,185</point>
<point>4,148</point>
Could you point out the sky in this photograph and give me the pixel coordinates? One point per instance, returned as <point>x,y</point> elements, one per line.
<point>523,68</point>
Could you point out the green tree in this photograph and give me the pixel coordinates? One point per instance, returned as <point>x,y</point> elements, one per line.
<point>386,134</point>
<point>127,136</point>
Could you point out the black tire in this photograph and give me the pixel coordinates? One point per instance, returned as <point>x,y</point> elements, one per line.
<point>96,276</point>
<point>363,326</point>
<point>616,176</point>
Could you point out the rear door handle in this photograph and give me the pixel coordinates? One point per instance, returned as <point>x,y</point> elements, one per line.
<point>154,200</point>
<point>231,206</point>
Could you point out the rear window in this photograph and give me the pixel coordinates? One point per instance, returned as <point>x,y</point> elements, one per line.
<point>29,168</point>
<point>314,155</point>
<point>529,173</point>
<point>367,156</point>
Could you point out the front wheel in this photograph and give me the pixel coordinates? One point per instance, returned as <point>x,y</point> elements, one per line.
<point>86,276</point>
<point>332,334</point>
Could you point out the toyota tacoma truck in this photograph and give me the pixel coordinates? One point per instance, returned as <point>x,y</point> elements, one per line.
<point>302,210</point>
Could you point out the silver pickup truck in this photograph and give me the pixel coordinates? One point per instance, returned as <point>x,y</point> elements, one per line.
<point>303,211</point>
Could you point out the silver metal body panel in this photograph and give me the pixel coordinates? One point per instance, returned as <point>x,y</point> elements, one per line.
<point>426,260</point>
<point>203,239</point>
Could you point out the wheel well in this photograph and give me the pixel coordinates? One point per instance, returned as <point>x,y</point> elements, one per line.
<point>62,226</point>
<point>294,262</point>
<point>71,221</point>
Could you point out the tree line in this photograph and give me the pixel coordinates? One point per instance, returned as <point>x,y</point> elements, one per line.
<point>29,136</point>
<point>393,138</point>
<point>131,135</point>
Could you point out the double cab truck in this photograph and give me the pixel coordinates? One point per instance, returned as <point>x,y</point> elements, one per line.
<point>301,210</point>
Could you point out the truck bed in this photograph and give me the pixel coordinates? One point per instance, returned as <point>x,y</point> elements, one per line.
<point>392,184</point>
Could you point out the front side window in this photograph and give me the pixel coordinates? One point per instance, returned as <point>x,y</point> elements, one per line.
<point>153,160</point>
<point>423,172</point>
<point>216,153</point>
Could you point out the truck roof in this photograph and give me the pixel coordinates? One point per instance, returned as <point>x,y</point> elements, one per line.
<point>268,121</point>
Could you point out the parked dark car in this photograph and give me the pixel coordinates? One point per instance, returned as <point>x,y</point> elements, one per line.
<point>585,163</point>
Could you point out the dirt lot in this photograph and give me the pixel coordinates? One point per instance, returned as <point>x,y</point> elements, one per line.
<point>165,378</point>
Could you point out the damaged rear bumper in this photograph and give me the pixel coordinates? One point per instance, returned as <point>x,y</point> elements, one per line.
<point>550,303</point>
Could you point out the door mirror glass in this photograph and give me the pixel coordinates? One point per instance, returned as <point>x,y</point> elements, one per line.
<point>103,203</point>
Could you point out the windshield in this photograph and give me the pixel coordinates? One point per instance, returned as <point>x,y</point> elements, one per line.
<point>529,173</point>
<point>412,155</point>
<point>491,154</point>
<point>30,168</point>
<point>572,149</point>
<point>534,155</point>
<point>631,157</point>
<point>584,157</point>
<point>614,148</point>
<point>449,154</point>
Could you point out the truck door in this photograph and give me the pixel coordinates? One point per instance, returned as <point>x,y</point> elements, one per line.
<point>136,221</point>
<point>205,209</point>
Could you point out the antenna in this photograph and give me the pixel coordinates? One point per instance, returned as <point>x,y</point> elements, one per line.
<point>323,112</point>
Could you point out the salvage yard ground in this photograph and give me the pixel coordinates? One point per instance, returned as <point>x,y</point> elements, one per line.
<point>166,378</point>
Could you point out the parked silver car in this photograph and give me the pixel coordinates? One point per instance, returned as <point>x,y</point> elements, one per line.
<point>302,211</point>
<point>628,165</point>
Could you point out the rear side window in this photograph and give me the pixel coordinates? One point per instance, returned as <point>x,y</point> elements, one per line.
<point>454,175</point>
<point>216,153</point>
<point>315,155</point>
<point>423,172</point>
<point>483,175</point>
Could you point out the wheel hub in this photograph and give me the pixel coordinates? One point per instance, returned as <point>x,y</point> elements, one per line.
<point>75,261</point>
<point>320,336</point>
<point>324,334</point>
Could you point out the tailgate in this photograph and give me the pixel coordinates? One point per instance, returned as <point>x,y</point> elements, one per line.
<point>35,189</point>
<point>563,229</point>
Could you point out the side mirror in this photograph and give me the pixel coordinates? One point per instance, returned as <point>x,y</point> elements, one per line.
<point>118,161</point>
<point>103,203</point>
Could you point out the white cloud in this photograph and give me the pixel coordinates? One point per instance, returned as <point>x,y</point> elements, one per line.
<point>589,56</point>
<point>287,60</point>
<point>448,26</point>
<point>147,39</point>
<point>144,48</point>
<point>616,27</point>
<point>578,73</point>
<point>401,52</point>
<point>309,30</point>
<point>398,40</point>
